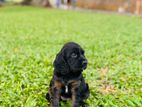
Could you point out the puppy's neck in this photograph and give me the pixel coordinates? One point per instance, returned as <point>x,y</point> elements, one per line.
<point>69,75</point>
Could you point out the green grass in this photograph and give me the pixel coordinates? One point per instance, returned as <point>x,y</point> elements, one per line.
<point>31,37</point>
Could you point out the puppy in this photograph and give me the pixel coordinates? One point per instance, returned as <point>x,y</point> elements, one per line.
<point>67,81</point>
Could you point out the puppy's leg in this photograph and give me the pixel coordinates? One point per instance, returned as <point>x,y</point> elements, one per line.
<point>75,93</point>
<point>54,93</point>
<point>54,96</point>
<point>83,104</point>
<point>75,99</point>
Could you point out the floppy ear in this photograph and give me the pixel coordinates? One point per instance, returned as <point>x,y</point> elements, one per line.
<point>60,64</point>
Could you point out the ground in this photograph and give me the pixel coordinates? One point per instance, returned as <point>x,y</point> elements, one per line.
<point>31,37</point>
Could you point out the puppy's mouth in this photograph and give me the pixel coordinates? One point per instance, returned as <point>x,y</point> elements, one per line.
<point>84,67</point>
<point>84,64</point>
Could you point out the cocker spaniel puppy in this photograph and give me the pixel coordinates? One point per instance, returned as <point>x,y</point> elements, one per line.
<point>67,81</point>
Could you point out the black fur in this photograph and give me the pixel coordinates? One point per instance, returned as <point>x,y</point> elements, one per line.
<point>67,81</point>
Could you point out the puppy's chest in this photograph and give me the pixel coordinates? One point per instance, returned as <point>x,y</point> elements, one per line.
<point>68,86</point>
<point>66,92</point>
<point>66,89</point>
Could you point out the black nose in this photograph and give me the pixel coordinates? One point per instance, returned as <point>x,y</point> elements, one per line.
<point>84,63</point>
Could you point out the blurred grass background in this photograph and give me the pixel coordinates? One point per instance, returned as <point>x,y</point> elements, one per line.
<point>30,37</point>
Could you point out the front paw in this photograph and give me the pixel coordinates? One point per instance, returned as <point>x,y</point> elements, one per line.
<point>84,105</point>
<point>47,97</point>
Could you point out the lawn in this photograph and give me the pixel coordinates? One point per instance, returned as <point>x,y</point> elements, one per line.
<point>31,37</point>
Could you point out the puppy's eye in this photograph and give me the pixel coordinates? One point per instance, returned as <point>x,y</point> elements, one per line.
<point>73,55</point>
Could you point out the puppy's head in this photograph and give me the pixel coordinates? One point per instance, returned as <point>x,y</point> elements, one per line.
<point>71,58</point>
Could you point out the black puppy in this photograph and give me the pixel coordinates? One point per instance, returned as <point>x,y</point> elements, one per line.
<point>67,81</point>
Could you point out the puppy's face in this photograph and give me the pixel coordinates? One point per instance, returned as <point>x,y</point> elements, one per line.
<point>75,57</point>
<point>70,58</point>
